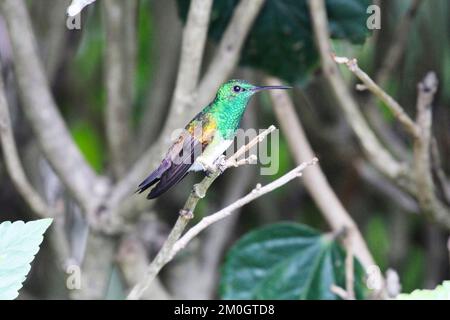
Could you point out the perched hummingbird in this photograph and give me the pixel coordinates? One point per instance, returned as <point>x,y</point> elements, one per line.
<point>206,137</point>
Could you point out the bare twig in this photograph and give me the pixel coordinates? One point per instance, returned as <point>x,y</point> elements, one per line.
<point>50,26</point>
<point>167,36</point>
<point>315,181</point>
<point>13,164</point>
<point>390,102</point>
<point>391,60</point>
<point>218,235</point>
<point>375,151</point>
<point>227,55</point>
<point>257,192</point>
<point>398,43</point>
<point>119,70</point>
<point>349,292</point>
<point>198,192</point>
<point>40,108</point>
<point>442,179</point>
<point>207,221</point>
<point>349,270</point>
<point>426,195</point>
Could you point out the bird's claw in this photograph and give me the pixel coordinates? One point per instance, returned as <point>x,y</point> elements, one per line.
<point>221,164</point>
<point>207,167</point>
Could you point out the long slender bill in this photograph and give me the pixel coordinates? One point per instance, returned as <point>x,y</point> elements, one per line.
<point>260,88</point>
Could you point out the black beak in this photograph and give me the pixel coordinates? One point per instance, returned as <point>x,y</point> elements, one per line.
<point>270,88</point>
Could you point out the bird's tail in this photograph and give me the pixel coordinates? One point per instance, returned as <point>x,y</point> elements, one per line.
<point>154,177</point>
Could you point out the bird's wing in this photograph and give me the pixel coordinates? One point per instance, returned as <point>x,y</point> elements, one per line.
<point>181,155</point>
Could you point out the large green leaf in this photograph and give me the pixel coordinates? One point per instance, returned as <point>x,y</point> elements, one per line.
<point>441,292</point>
<point>286,261</point>
<point>19,243</point>
<point>281,41</point>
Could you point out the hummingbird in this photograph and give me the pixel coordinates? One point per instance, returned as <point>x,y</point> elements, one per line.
<point>205,138</point>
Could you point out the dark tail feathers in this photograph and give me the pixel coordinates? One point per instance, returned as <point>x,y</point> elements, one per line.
<point>154,177</point>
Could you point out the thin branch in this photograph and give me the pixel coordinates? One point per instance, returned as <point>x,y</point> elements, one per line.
<point>391,59</point>
<point>119,20</point>
<point>40,108</point>
<point>257,192</point>
<point>390,102</point>
<point>442,179</point>
<point>98,262</point>
<point>398,43</point>
<point>168,29</point>
<point>227,55</point>
<point>186,214</point>
<point>426,195</point>
<point>132,260</point>
<point>12,161</point>
<point>349,292</point>
<point>375,151</point>
<point>349,270</point>
<point>315,181</point>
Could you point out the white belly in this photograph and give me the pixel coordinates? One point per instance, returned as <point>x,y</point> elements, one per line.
<point>211,153</point>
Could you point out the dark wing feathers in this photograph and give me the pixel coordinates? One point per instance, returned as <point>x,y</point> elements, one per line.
<point>181,155</point>
<point>168,180</point>
<point>174,167</point>
<point>154,176</point>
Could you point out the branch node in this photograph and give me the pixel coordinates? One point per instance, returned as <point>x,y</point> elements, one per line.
<point>198,192</point>
<point>187,214</point>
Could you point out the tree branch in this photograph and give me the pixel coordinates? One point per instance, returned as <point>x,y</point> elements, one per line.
<point>375,151</point>
<point>167,36</point>
<point>119,20</point>
<point>257,192</point>
<point>186,214</point>
<point>391,60</point>
<point>42,112</point>
<point>428,201</point>
<point>13,164</point>
<point>390,102</point>
<point>398,43</point>
<point>315,181</point>
<point>132,259</point>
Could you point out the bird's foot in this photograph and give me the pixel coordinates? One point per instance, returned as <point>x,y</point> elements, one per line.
<point>221,164</point>
<point>207,167</point>
<point>187,214</point>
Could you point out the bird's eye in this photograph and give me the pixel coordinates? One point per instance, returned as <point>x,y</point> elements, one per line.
<point>237,89</point>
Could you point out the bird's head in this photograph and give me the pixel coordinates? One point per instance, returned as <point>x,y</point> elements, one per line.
<point>241,90</point>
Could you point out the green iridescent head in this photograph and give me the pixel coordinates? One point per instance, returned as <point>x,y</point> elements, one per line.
<point>230,103</point>
<point>240,91</point>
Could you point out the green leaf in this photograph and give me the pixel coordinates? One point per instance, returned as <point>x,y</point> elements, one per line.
<point>19,243</point>
<point>441,292</point>
<point>286,261</point>
<point>281,41</point>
